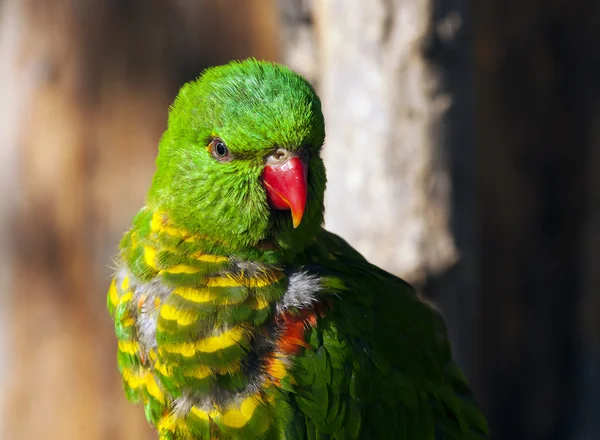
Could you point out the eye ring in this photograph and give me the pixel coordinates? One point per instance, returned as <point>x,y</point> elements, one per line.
<point>219,150</point>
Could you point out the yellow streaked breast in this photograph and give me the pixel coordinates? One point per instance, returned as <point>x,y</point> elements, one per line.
<point>207,345</point>
<point>166,423</point>
<point>265,279</point>
<point>126,297</point>
<point>134,378</point>
<point>237,418</point>
<point>210,258</point>
<point>163,368</point>
<point>159,225</point>
<point>260,304</point>
<point>128,321</point>
<point>153,388</point>
<point>181,268</point>
<point>277,368</point>
<point>195,295</point>
<point>219,342</point>
<point>198,372</point>
<point>134,239</point>
<point>129,347</point>
<point>186,269</point>
<point>125,283</point>
<point>224,281</point>
<point>112,293</point>
<point>201,414</point>
<point>182,317</point>
<point>150,256</point>
<point>235,281</point>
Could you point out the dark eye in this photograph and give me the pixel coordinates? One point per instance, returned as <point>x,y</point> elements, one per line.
<point>219,150</point>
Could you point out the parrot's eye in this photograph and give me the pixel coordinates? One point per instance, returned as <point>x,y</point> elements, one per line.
<point>219,150</point>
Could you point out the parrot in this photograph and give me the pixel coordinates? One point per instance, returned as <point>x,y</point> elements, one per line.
<point>238,316</point>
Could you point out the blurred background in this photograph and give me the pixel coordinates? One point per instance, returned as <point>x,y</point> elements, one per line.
<point>463,153</point>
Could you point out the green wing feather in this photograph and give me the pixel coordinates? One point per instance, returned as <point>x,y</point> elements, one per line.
<point>380,365</point>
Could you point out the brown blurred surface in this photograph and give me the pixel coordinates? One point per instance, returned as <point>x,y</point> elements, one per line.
<point>93,83</point>
<point>538,101</point>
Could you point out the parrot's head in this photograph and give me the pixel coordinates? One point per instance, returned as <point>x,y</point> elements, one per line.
<point>240,160</point>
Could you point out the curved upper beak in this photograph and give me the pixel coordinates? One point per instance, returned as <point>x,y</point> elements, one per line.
<point>284,179</point>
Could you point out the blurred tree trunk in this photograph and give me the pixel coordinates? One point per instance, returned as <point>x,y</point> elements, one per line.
<point>396,83</point>
<point>383,106</point>
<point>86,90</point>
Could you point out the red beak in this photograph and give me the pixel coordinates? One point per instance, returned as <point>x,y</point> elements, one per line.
<point>285,184</point>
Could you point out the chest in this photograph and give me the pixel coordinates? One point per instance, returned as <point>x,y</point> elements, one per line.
<point>207,351</point>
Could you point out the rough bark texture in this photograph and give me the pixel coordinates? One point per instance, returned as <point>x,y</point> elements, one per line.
<point>85,88</point>
<point>298,40</point>
<point>383,106</point>
<point>396,85</point>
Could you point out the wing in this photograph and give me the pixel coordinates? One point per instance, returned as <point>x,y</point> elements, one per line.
<point>380,364</point>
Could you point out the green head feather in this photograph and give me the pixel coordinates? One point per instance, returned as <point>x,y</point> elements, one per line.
<point>255,108</point>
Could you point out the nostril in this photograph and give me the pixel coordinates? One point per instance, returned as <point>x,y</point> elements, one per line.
<point>278,157</point>
<point>280,154</point>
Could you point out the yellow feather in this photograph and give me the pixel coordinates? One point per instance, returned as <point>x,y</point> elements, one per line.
<point>195,295</point>
<point>260,304</point>
<point>207,345</point>
<point>112,293</point>
<point>262,280</point>
<point>150,256</point>
<point>277,368</point>
<point>128,322</point>
<point>125,283</point>
<point>171,313</point>
<point>134,240</point>
<point>198,372</point>
<point>224,281</point>
<point>126,298</point>
<point>265,279</point>
<point>211,258</point>
<point>199,413</point>
<point>158,225</point>
<point>153,388</point>
<point>134,379</point>
<point>219,342</point>
<point>166,423</point>
<point>181,268</point>
<point>163,369</point>
<point>236,418</point>
<point>129,347</point>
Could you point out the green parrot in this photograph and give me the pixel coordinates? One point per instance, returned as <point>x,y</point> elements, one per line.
<point>239,317</point>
